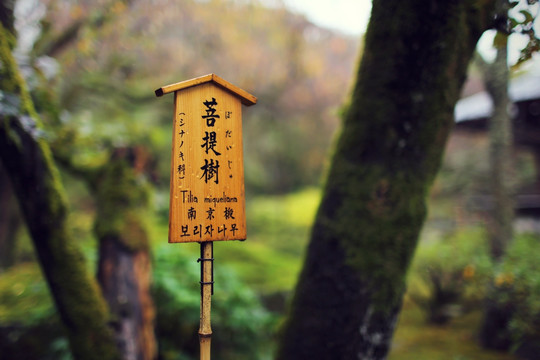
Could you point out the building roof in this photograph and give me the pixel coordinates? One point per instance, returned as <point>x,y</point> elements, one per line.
<point>480,105</point>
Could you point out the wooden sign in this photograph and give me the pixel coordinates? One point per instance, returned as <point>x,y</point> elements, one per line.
<point>207,200</point>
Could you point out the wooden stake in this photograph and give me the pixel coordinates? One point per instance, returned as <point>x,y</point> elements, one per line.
<point>207,283</point>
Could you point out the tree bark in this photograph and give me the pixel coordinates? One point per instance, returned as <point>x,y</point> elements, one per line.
<point>121,196</point>
<point>124,268</point>
<point>28,161</point>
<point>124,265</point>
<point>414,64</point>
<point>500,226</point>
<point>10,220</point>
<point>495,332</point>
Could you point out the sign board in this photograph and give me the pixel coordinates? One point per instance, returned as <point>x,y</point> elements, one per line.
<point>207,199</point>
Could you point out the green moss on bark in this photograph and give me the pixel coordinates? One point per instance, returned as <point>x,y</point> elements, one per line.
<point>122,197</point>
<point>388,153</point>
<point>11,82</point>
<point>393,137</point>
<point>36,181</point>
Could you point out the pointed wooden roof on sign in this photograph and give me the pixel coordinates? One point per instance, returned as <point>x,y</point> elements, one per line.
<point>245,97</point>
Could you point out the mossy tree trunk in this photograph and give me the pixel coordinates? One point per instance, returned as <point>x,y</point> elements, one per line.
<point>10,220</point>
<point>495,332</point>
<point>35,179</point>
<point>124,268</point>
<point>394,132</point>
<point>500,134</point>
<point>121,197</point>
<point>121,194</point>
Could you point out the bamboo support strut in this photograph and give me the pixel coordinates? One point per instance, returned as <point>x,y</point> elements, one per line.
<point>207,289</point>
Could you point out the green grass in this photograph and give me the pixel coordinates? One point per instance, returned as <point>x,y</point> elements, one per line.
<point>24,295</point>
<point>417,340</point>
<point>270,259</point>
<point>278,229</point>
<point>268,262</point>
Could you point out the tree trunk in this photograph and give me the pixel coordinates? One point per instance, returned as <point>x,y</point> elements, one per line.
<point>495,332</point>
<point>390,148</point>
<point>500,133</point>
<point>10,220</point>
<point>28,161</point>
<point>124,268</point>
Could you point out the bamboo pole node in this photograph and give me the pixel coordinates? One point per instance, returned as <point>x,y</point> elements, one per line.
<point>202,260</point>
<point>207,290</point>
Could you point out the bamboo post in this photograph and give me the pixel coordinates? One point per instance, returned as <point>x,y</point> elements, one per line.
<point>207,284</point>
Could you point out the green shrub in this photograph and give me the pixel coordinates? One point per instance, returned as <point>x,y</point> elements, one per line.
<point>242,327</point>
<point>449,276</point>
<point>29,325</point>
<point>24,296</point>
<point>519,278</point>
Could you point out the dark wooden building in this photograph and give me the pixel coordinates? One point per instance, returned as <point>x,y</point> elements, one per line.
<point>473,113</point>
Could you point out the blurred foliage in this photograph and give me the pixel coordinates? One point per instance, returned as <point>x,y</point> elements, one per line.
<point>415,339</point>
<point>24,297</point>
<point>522,21</point>
<point>253,280</point>
<point>93,83</point>
<point>298,71</point>
<point>449,277</point>
<point>278,228</point>
<point>519,276</point>
<point>27,317</point>
<point>245,328</point>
